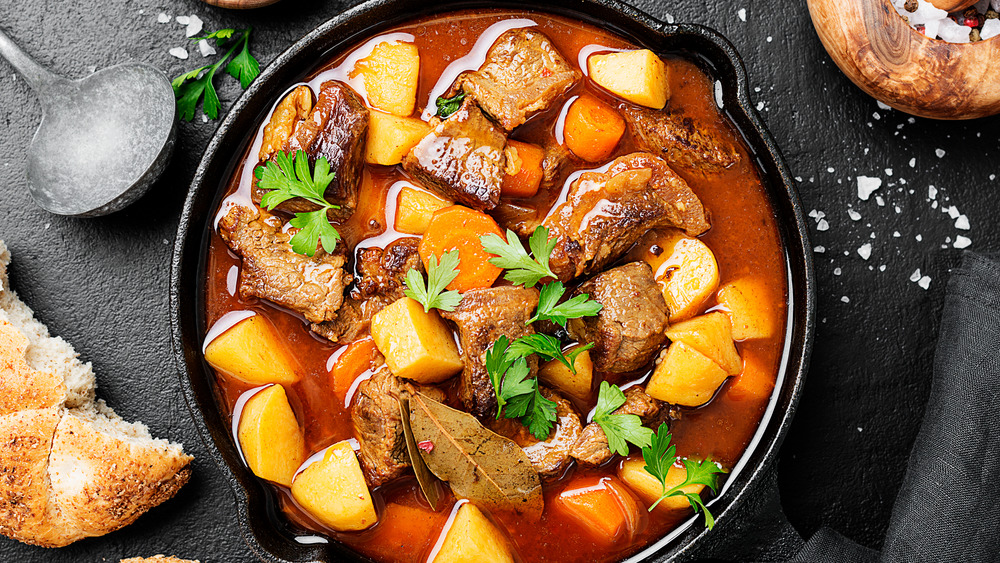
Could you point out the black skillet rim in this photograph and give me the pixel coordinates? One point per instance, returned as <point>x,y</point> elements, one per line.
<point>255,505</point>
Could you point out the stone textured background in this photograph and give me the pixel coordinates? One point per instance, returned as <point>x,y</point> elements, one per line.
<point>102,283</point>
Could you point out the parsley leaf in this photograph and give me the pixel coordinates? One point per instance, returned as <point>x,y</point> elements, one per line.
<point>439,275</point>
<point>284,178</point>
<point>199,84</point>
<point>540,413</point>
<point>548,347</point>
<point>518,395</point>
<point>621,429</point>
<point>511,256</point>
<point>448,106</point>
<point>661,454</point>
<point>516,386</point>
<point>549,309</point>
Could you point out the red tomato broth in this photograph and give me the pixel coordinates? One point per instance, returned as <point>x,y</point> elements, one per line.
<point>743,237</point>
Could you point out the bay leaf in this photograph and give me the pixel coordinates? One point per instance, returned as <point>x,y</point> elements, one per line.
<point>429,484</point>
<point>478,464</point>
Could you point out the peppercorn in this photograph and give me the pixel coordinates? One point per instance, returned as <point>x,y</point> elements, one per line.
<point>911,5</point>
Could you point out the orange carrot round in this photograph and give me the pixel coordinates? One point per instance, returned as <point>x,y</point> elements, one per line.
<point>359,357</point>
<point>592,129</point>
<point>525,177</point>
<point>459,228</point>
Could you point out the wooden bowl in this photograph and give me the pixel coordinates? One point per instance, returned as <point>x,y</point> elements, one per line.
<point>240,4</point>
<point>902,67</point>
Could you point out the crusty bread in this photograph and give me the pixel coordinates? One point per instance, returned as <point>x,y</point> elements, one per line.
<point>70,468</point>
<point>157,559</point>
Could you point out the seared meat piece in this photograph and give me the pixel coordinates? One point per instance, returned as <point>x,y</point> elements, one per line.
<point>522,218</point>
<point>273,271</point>
<point>549,458</point>
<point>679,140</point>
<point>336,129</point>
<point>285,119</point>
<point>629,330</point>
<point>462,158</point>
<point>605,213</point>
<point>554,165</point>
<point>378,426</point>
<point>381,274</point>
<point>592,447</point>
<point>483,316</point>
<point>522,75</point>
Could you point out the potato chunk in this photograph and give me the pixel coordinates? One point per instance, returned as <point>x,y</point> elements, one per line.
<point>685,376</point>
<point>390,74</point>
<point>472,538</point>
<point>712,335</point>
<point>604,506</point>
<point>638,76</point>
<point>414,209</point>
<point>684,268</point>
<point>270,437</point>
<point>649,489</point>
<point>333,491</point>
<point>252,352</point>
<point>555,374</point>
<point>416,345</point>
<point>390,137</point>
<point>748,301</point>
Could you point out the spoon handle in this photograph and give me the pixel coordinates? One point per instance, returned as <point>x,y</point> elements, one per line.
<point>36,76</point>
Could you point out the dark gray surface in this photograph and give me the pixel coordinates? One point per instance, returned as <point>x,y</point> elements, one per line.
<point>102,283</point>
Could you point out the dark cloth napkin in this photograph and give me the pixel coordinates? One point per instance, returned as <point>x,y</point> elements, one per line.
<point>948,508</point>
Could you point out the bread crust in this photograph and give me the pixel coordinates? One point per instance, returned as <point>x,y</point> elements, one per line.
<point>157,559</point>
<point>22,387</point>
<point>25,442</point>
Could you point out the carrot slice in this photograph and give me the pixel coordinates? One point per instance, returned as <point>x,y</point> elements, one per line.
<point>459,228</point>
<point>604,506</point>
<point>358,358</point>
<point>592,129</point>
<point>524,170</point>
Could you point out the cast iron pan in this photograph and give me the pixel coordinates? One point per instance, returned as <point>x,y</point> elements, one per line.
<point>267,533</point>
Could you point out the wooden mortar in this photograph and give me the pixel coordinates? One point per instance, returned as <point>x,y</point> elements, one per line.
<point>241,4</point>
<point>902,67</point>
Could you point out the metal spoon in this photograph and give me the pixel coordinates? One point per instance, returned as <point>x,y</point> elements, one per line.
<point>103,139</point>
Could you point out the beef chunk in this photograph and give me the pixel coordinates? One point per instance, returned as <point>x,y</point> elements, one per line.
<point>522,75</point>
<point>381,274</point>
<point>462,158</point>
<point>606,213</point>
<point>549,458</point>
<point>378,426</point>
<point>271,270</point>
<point>628,331</point>
<point>679,140</point>
<point>483,316</point>
<point>592,446</point>
<point>337,129</point>
<point>285,120</point>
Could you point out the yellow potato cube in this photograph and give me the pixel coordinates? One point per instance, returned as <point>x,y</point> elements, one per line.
<point>251,351</point>
<point>472,538</point>
<point>684,267</point>
<point>712,335</point>
<point>747,301</point>
<point>414,209</point>
<point>555,374</point>
<point>638,76</point>
<point>648,488</point>
<point>685,376</point>
<point>333,491</point>
<point>270,438</point>
<point>390,137</point>
<point>416,345</point>
<point>390,74</point>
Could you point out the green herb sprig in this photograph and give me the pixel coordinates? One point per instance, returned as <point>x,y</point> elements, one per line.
<point>439,275</point>
<point>517,392</point>
<point>511,256</point>
<point>448,106</point>
<point>621,429</point>
<point>661,454</point>
<point>198,84</point>
<point>549,308</point>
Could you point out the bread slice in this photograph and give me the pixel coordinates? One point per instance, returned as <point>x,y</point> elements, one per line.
<point>70,467</point>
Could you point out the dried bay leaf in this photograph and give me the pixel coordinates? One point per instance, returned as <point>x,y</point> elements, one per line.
<point>427,481</point>
<point>480,465</point>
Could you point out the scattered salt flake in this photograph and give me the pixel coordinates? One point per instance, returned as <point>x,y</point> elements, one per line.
<point>163,18</point>
<point>881,268</point>
<point>881,105</point>
<point>939,152</point>
<point>204,118</point>
<point>879,201</point>
<point>871,236</point>
<point>830,169</point>
<point>812,213</point>
<point>876,116</point>
<point>867,185</point>
<point>769,39</point>
<point>669,18</point>
<point>866,150</point>
<point>888,171</point>
<point>742,14</point>
<point>206,48</point>
<point>898,210</point>
<point>718,94</point>
<point>837,271</point>
<point>819,249</point>
<point>934,205</point>
<point>855,216</point>
<point>845,299</point>
<point>179,52</point>
<point>915,276</point>
<point>962,223</point>
<point>194,26</point>
<point>896,234</point>
<point>932,191</point>
<point>962,242</point>
<point>799,178</point>
<point>952,212</point>
<point>183,20</point>
<point>822,225</point>
<point>860,429</point>
<point>919,238</point>
<point>760,106</point>
<point>865,251</point>
<point>924,282</point>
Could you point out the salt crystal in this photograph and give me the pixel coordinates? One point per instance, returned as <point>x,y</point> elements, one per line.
<point>822,225</point>
<point>866,150</point>
<point>881,268</point>
<point>952,32</point>
<point>915,276</point>
<point>718,94</point>
<point>888,171</point>
<point>769,39</point>
<point>855,216</point>
<point>798,178</point>
<point>924,282</point>
<point>845,299</point>
<point>939,152</point>
<point>953,212</point>
<point>867,185</point>
<point>865,251</point>
<point>919,238</point>
<point>995,4</point>
<point>898,210</point>
<point>837,271</point>
<point>876,116</point>
<point>990,29</point>
<point>204,118</point>
<point>962,242</point>
<point>871,236</point>
<point>760,106</point>
<point>934,205</point>
<point>830,169</point>
<point>931,191</point>
<point>879,201</point>
<point>183,20</point>
<point>742,14</point>
<point>819,249</point>
<point>206,48</point>
<point>962,223</point>
<point>993,177</point>
<point>895,234</point>
<point>179,52</point>
<point>669,18</point>
<point>932,28</point>
<point>163,18</point>
<point>812,213</point>
<point>194,26</point>
<point>882,105</point>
